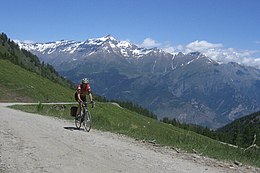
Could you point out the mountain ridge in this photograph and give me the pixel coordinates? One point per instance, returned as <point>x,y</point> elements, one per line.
<point>123,48</point>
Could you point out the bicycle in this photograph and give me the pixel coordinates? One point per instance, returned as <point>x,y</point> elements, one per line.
<point>84,117</point>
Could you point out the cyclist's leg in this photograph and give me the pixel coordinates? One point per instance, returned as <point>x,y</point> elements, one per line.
<point>76,98</point>
<point>84,99</point>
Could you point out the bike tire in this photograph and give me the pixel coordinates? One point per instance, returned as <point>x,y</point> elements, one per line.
<point>77,122</point>
<point>87,123</point>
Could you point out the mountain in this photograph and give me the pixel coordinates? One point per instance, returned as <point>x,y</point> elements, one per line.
<point>106,44</point>
<point>106,52</point>
<point>190,87</point>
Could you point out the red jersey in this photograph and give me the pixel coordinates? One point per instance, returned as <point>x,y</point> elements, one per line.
<point>83,90</point>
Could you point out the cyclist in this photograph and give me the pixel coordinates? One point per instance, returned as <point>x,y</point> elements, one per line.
<point>82,90</point>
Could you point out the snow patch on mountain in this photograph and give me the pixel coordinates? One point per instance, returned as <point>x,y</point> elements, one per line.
<point>72,48</point>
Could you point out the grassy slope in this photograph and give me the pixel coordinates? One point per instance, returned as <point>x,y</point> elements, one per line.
<point>108,117</point>
<point>18,84</point>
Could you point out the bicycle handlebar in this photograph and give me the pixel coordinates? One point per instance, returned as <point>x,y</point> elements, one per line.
<point>85,103</point>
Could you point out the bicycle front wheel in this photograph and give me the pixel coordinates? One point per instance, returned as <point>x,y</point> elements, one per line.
<point>87,121</point>
<point>78,121</point>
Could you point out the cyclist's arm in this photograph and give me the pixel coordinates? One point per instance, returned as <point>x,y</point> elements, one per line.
<point>78,94</point>
<point>90,97</point>
<point>89,93</point>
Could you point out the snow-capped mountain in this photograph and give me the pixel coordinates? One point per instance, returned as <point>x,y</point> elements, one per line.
<point>106,44</point>
<point>104,51</point>
<point>190,87</point>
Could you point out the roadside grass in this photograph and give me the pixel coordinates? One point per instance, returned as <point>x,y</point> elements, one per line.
<point>108,117</point>
<point>19,84</point>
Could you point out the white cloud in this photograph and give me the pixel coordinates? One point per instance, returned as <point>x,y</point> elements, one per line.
<point>169,48</point>
<point>202,45</point>
<point>216,51</point>
<point>149,43</point>
<point>257,42</point>
<point>219,53</point>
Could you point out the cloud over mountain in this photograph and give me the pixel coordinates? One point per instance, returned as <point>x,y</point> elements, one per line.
<point>216,51</point>
<point>149,43</point>
<point>202,45</point>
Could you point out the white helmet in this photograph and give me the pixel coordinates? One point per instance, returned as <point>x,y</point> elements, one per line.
<point>85,80</point>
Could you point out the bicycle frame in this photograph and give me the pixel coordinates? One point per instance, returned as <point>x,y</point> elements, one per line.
<point>83,108</point>
<point>83,117</point>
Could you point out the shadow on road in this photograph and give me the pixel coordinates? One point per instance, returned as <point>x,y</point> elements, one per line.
<point>73,128</point>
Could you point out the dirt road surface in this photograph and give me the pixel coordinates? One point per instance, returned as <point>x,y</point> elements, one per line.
<point>36,143</point>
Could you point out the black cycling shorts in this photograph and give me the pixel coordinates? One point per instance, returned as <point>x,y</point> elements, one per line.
<point>83,98</point>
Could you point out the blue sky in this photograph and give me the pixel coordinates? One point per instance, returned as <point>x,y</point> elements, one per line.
<point>227,26</point>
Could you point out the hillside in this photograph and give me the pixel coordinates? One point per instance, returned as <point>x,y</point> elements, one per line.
<point>20,85</point>
<point>9,50</point>
<point>241,132</point>
<point>24,78</point>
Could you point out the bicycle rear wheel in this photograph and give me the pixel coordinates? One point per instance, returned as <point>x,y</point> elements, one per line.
<point>87,121</point>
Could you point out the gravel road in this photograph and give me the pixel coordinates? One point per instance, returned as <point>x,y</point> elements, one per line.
<point>35,143</point>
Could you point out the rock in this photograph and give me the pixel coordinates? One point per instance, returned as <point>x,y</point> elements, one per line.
<point>237,163</point>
